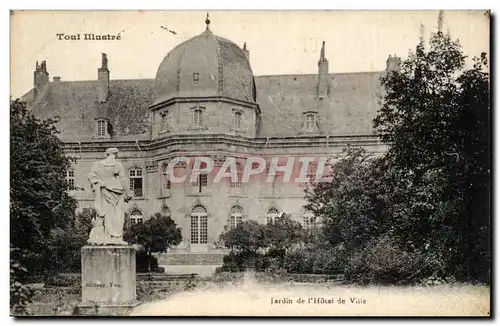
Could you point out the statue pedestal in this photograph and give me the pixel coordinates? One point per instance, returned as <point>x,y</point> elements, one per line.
<point>108,280</point>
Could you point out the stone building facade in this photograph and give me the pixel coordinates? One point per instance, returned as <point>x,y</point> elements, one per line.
<point>205,101</point>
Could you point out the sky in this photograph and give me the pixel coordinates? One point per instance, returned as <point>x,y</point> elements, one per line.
<point>280,42</point>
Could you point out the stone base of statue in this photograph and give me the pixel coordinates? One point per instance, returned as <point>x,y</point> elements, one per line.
<point>108,280</point>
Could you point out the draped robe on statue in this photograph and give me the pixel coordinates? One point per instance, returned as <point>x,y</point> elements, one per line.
<point>107,178</point>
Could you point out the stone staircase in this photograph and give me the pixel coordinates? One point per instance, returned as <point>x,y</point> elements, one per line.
<point>187,258</point>
<point>203,264</point>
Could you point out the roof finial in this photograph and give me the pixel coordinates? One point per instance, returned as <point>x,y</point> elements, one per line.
<point>440,21</point>
<point>422,33</point>
<point>207,20</point>
<point>245,46</point>
<point>322,55</point>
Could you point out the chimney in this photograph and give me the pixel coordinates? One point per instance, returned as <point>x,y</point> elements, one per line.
<point>56,79</point>
<point>41,79</point>
<point>393,63</point>
<point>322,73</point>
<point>103,79</point>
<point>247,53</point>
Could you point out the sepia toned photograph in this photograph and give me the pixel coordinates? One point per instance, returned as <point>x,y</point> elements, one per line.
<point>250,163</point>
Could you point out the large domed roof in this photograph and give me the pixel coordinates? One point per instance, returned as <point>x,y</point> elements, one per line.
<point>205,66</point>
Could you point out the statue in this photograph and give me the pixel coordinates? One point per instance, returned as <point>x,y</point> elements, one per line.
<point>111,192</point>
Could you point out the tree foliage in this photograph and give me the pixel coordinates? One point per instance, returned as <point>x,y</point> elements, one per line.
<point>157,234</point>
<point>247,236</point>
<point>261,247</point>
<point>64,253</point>
<point>39,201</point>
<point>436,120</point>
<point>423,208</point>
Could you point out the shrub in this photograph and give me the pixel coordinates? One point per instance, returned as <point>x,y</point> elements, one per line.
<point>383,262</point>
<point>20,294</point>
<point>315,260</point>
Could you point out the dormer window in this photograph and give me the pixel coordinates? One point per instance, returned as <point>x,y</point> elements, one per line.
<point>310,123</point>
<point>164,121</point>
<point>101,128</point>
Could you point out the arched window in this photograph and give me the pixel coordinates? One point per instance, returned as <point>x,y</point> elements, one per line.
<point>237,119</point>
<point>199,225</point>
<point>272,214</point>
<point>236,216</point>
<point>239,176</point>
<point>136,216</point>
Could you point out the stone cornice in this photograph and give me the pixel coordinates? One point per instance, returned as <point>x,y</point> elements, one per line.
<point>253,143</point>
<point>205,99</point>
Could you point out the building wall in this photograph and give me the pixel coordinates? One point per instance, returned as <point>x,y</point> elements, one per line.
<point>218,118</point>
<point>254,197</point>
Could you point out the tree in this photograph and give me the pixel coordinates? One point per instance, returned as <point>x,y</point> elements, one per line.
<point>39,201</point>
<point>281,236</point>
<point>64,252</point>
<point>351,203</point>
<point>246,241</point>
<point>436,120</point>
<point>157,234</point>
<point>247,236</point>
<point>261,247</point>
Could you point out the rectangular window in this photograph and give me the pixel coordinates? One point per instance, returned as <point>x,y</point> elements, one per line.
<point>70,178</point>
<point>203,179</point>
<point>101,128</point>
<point>164,122</point>
<point>237,120</point>
<point>194,229</point>
<point>310,178</point>
<point>136,182</point>
<point>309,222</point>
<point>198,118</point>
<point>239,176</point>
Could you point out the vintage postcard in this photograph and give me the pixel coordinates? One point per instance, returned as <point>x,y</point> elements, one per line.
<point>250,163</point>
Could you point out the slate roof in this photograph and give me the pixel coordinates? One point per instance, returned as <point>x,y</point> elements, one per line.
<point>221,66</point>
<point>349,109</point>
